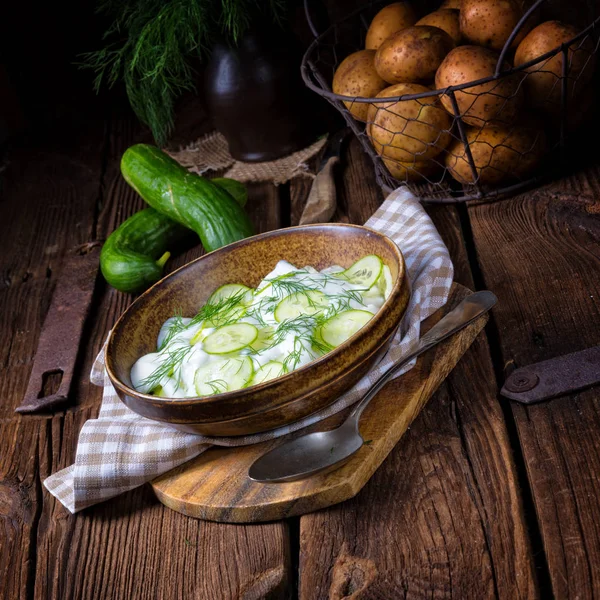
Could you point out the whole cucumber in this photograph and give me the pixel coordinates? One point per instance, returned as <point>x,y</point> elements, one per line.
<point>134,255</point>
<point>189,199</point>
<point>236,189</point>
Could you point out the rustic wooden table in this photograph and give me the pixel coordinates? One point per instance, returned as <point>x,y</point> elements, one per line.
<point>482,498</point>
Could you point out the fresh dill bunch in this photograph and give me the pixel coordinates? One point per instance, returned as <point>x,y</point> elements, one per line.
<point>151,45</point>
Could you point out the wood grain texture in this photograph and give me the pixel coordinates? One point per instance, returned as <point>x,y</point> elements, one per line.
<point>443,516</point>
<point>359,196</point>
<point>130,547</point>
<point>540,252</point>
<point>48,201</point>
<point>426,525</point>
<point>216,486</point>
<point>50,191</point>
<point>487,442</point>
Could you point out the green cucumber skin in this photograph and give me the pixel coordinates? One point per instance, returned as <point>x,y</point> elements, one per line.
<point>189,199</point>
<point>236,189</point>
<point>128,257</point>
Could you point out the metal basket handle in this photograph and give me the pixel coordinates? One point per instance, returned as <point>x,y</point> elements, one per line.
<point>322,22</point>
<point>514,34</point>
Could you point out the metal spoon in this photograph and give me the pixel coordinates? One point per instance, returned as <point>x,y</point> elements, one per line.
<point>324,450</point>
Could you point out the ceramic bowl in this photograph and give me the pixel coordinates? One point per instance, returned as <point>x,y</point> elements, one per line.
<point>280,401</point>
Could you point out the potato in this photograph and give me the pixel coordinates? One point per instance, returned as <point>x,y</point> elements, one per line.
<point>408,130</point>
<point>414,170</point>
<point>489,23</point>
<point>543,82</point>
<point>452,4</point>
<point>388,21</point>
<point>500,154</point>
<point>412,54</point>
<point>497,100</point>
<point>445,19</point>
<point>356,76</point>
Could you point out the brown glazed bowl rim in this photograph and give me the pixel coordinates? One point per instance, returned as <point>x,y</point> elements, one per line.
<point>217,398</point>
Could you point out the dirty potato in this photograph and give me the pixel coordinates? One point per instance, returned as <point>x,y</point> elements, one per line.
<point>408,130</point>
<point>413,54</point>
<point>446,19</point>
<point>388,21</point>
<point>543,81</point>
<point>500,154</point>
<point>498,100</point>
<point>415,170</point>
<point>489,23</point>
<point>356,76</point>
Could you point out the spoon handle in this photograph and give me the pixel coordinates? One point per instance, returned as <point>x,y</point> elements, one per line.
<point>466,312</point>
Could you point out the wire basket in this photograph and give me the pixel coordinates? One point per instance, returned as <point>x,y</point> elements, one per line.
<point>437,141</point>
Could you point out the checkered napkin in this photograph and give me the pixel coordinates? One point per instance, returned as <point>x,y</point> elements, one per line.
<point>120,450</point>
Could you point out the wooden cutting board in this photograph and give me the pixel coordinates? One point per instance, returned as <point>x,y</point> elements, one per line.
<point>215,485</point>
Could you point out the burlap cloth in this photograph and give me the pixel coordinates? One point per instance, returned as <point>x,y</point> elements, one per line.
<point>120,450</point>
<point>211,153</point>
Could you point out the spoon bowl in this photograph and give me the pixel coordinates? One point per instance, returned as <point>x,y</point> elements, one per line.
<point>307,455</point>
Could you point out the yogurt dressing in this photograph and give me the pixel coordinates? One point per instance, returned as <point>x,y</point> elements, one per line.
<point>283,343</point>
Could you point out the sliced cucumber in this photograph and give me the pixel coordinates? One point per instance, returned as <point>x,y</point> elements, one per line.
<point>229,311</point>
<point>268,371</point>
<point>319,345</point>
<point>199,335</point>
<point>231,289</point>
<point>383,285</point>
<point>264,339</point>
<point>364,272</point>
<point>344,325</point>
<point>230,338</point>
<point>387,283</point>
<point>223,375</point>
<point>301,303</point>
<point>227,315</point>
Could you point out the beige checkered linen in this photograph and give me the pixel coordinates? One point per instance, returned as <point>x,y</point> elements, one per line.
<point>120,450</point>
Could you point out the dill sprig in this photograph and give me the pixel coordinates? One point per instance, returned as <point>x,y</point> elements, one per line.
<point>217,385</point>
<point>216,314</point>
<point>171,367</point>
<point>224,312</point>
<point>151,44</point>
<point>175,328</point>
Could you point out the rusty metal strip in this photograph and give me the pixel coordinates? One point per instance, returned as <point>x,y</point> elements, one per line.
<point>60,337</point>
<point>555,377</point>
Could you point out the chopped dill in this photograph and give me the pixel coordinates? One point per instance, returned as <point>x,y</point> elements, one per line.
<point>302,332</point>
<point>176,327</point>
<point>224,312</point>
<point>217,385</point>
<point>171,366</point>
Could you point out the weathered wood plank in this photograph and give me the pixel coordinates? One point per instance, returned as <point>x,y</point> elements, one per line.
<point>482,425</point>
<point>48,204</point>
<point>20,505</point>
<point>442,517</point>
<point>540,252</point>
<point>436,520</point>
<point>132,547</point>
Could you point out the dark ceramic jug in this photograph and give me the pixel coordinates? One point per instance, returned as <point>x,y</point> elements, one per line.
<point>256,98</point>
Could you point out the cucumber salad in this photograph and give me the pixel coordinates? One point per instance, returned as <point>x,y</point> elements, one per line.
<point>243,337</point>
